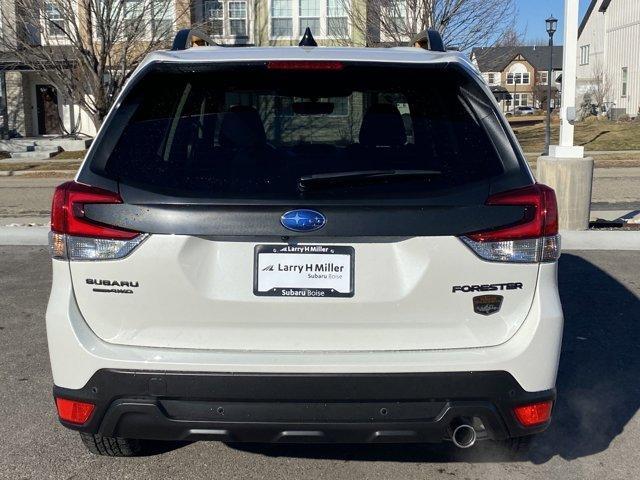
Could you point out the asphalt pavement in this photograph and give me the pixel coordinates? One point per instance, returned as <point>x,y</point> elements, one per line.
<point>595,433</point>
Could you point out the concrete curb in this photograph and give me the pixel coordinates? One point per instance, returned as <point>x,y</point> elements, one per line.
<point>601,240</point>
<point>19,173</point>
<point>587,240</point>
<point>24,236</point>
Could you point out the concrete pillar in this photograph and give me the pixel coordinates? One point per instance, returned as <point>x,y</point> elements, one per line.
<point>572,179</point>
<point>565,169</point>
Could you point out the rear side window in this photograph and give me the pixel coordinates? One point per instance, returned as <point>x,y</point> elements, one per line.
<point>243,132</point>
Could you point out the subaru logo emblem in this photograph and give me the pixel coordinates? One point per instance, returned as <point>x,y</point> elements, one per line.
<point>303,220</point>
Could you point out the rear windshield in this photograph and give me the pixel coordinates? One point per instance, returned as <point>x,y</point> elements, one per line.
<point>254,132</point>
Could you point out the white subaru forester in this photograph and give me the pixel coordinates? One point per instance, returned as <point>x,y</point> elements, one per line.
<point>304,244</point>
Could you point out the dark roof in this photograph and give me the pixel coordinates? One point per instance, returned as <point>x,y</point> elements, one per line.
<point>587,16</point>
<point>495,59</point>
<point>605,5</point>
<point>500,92</point>
<point>12,60</point>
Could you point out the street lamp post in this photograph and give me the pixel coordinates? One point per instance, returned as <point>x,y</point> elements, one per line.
<point>552,26</point>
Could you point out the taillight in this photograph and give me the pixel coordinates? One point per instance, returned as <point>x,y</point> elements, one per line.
<point>534,413</point>
<point>532,239</point>
<point>73,411</point>
<point>304,65</point>
<point>75,237</point>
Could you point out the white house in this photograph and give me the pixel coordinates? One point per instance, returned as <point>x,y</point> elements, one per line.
<point>609,53</point>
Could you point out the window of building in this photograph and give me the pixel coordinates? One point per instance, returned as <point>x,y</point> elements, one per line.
<point>625,81</point>
<point>492,78</point>
<point>54,20</point>
<point>518,74</point>
<point>226,18</point>
<point>398,15</point>
<point>214,16</point>
<point>142,19</point>
<point>310,15</point>
<point>337,21</point>
<point>133,13</point>
<point>161,19</point>
<point>325,18</point>
<point>543,78</point>
<point>238,19</point>
<point>521,99</point>
<point>281,18</point>
<point>584,54</point>
<point>518,79</point>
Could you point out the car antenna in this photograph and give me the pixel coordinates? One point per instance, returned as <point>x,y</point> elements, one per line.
<point>307,39</point>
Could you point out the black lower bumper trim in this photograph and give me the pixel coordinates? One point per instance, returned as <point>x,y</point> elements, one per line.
<point>301,408</point>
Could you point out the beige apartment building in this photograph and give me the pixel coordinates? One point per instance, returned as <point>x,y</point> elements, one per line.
<point>31,106</point>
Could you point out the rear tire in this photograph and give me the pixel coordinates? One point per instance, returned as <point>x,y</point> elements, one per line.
<point>111,446</point>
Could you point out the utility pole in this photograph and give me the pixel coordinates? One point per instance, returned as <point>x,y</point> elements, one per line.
<point>565,169</point>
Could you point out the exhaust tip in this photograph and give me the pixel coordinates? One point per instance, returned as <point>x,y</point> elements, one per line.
<point>464,436</point>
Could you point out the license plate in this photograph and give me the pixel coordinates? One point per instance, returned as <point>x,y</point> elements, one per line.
<point>303,271</point>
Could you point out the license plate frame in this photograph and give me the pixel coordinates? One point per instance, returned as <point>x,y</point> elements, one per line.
<point>297,252</point>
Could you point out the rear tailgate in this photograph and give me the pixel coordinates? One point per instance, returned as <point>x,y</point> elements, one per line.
<point>190,292</point>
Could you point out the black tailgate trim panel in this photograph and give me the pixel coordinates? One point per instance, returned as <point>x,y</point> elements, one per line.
<point>352,221</point>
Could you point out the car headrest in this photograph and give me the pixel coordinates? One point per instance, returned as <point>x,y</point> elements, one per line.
<point>382,125</point>
<point>242,127</point>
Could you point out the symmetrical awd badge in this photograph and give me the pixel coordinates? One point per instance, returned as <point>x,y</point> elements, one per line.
<point>487,304</point>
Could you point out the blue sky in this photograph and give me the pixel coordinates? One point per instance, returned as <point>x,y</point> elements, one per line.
<point>532,14</point>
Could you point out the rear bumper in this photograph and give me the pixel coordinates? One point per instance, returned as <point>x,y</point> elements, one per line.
<point>301,408</point>
<point>531,356</point>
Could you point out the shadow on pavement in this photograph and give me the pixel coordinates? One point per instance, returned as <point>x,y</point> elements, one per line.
<point>598,382</point>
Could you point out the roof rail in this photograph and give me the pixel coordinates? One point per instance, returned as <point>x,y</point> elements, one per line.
<point>187,37</point>
<point>429,40</point>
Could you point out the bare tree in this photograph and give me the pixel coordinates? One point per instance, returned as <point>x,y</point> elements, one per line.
<point>539,42</point>
<point>511,38</point>
<point>88,48</point>
<point>462,23</point>
<point>600,88</point>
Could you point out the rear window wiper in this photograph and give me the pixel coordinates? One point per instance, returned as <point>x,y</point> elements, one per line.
<point>359,177</point>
